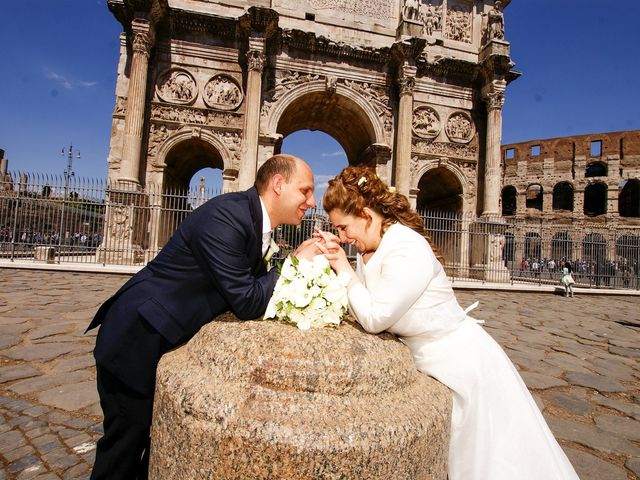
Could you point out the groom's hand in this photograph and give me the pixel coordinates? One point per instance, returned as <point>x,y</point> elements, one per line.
<point>308,249</point>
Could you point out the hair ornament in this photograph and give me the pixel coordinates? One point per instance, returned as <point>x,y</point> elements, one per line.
<point>392,189</point>
<point>361,181</point>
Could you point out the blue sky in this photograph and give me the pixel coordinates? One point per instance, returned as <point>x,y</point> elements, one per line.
<point>579,60</point>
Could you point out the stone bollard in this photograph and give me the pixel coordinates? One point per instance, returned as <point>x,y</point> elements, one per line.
<point>44,254</point>
<point>250,400</point>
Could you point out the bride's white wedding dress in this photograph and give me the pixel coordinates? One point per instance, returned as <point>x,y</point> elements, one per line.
<point>497,431</point>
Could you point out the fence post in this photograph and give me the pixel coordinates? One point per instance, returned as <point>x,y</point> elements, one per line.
<point>15,226</point>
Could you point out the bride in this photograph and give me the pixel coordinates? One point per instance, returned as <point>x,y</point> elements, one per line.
<point>399,285</point>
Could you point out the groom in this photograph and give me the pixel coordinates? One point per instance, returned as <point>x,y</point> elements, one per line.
<point>212,264</point>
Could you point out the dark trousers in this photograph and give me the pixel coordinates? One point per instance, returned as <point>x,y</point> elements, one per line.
<point>123,451</point>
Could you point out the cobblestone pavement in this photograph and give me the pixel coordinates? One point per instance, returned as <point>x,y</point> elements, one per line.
<point>579,356</point>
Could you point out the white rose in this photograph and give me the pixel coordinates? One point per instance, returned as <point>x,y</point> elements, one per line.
<point>332,317</point>
<point>288,271</point>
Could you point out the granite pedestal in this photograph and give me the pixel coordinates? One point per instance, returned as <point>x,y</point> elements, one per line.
<point>264,400</point>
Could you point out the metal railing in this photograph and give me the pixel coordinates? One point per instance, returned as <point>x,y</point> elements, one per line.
<point>57,219</point>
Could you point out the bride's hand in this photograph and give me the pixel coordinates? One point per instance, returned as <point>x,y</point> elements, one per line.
<point>326,236</point>
<point>336,255</point>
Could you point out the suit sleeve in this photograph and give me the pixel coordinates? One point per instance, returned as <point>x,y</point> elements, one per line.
<point>405,273</point>
<point>222,248</point>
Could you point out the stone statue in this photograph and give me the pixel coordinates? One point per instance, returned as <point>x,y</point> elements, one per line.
<point>411,10</point>
<point>428,20</point>
<point>495,25</point>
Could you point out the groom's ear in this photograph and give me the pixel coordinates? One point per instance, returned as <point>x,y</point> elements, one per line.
<point>276,183</point>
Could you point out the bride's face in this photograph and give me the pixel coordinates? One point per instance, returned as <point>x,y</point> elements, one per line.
<point>363,233</point>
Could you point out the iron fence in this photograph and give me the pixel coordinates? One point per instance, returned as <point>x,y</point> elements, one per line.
<point>66,219</point>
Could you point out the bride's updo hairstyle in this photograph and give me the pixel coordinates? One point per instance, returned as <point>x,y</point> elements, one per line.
<point>358,187</point>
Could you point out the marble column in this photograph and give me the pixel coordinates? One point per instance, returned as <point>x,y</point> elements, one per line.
<point>136,96</point>
<point>255,65</point>
<point>493,95</point>
<point>406,83</point>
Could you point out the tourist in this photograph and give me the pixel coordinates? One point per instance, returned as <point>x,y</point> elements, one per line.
<point>567,279</point>
<point>497,431</point>
<point>212,264</point>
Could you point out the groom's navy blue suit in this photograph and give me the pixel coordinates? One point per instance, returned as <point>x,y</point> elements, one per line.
<point>212,264</point>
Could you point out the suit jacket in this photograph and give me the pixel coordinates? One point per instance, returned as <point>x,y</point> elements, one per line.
<point>212,264</point>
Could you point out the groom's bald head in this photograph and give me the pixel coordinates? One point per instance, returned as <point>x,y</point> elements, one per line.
<point>282,164</point>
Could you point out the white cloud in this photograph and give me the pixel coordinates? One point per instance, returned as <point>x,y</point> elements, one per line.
<point>66,83</point>
<point>322,181</point>
<point>339,153</point>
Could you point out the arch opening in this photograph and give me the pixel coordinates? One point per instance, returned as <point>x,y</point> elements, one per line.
<point>186,160</point>
<point>439,201</point>
<point>629,199</point>
<point>594,248</point>
<point>322,152</point>
<point>595,169</point>
<point>335,115</point>
<point>509,200</point>
<point>534,196</point>
<point>561,247</point>
<point>595,199</point>
<point>532,246</point>
<point>563,196</point>
<point>628,256</point>
<point>439,189</point>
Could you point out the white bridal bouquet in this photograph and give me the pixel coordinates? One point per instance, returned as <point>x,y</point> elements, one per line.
<point>309,294</point>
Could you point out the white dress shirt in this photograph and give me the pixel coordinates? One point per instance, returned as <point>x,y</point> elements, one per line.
<point>266,229</point>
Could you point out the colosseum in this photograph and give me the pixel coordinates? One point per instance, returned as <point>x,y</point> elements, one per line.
<point>574,197</point>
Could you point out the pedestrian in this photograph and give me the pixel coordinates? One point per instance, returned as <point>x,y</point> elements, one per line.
<point>567,279</point>
<point>212,264</point>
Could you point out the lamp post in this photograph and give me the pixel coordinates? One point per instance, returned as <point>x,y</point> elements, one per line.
<point>68,174</point>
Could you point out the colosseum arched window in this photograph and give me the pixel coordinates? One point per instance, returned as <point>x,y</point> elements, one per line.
<point>534,196</point>
<point>596,169</point>
<point>629,199</point>
<point>509,202</point>
<point>563,196</point>
<point>595,199</point>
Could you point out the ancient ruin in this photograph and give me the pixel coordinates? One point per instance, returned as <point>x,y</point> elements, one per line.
<point>571,185</point>
<point>414,89</point>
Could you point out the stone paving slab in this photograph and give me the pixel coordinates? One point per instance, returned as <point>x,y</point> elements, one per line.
<point>579,357</point>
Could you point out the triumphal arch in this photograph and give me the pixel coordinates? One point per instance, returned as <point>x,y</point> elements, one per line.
<point>413,88</point>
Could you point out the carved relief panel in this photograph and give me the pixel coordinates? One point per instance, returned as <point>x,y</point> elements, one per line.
<point>431,15</point>
<point>460,127</point>
<point>459,21</point>
<point>439,131</point>
<point>176,85</point>
<point>222,92</point>
<point>426,122</point>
